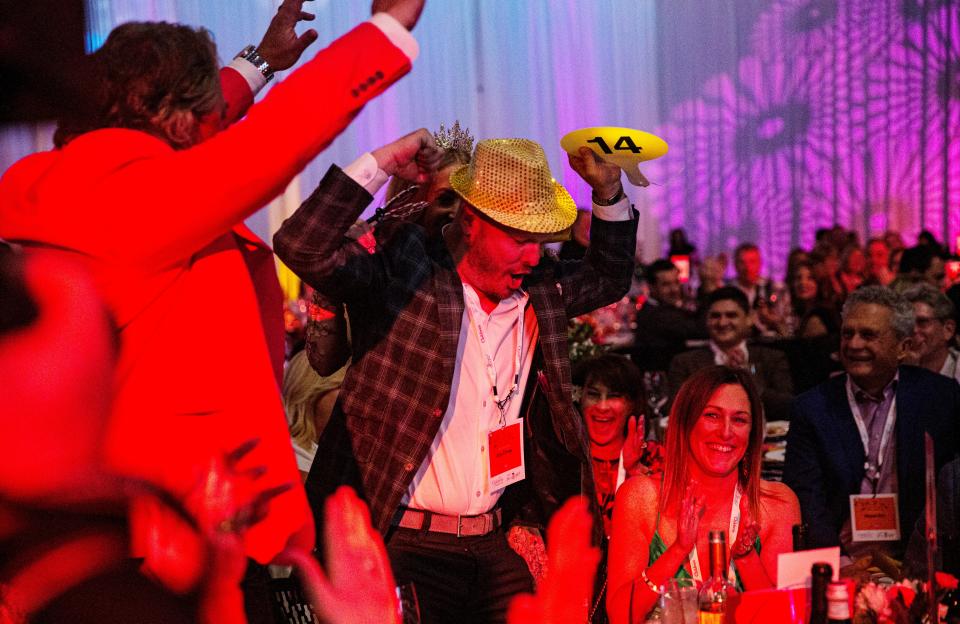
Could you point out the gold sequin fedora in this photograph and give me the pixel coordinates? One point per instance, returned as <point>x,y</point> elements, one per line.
<point>509,181</point>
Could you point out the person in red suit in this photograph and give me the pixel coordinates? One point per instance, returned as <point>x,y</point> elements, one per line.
<point>150,195</point>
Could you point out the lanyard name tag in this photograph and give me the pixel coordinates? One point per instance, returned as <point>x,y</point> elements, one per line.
<point>506,455</point>
<point>874,518</point>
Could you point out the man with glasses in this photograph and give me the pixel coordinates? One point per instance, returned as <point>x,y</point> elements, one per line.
<point>935,332</point>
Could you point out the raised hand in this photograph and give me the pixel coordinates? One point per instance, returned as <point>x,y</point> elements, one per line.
<point>358,585</point>
<point>692,508</point>
<point>603,177</point>
<point>564,595</point>
<point>280,46</point>
<point>407,12</point>
<point>412,157</point>
<point>633,447</point>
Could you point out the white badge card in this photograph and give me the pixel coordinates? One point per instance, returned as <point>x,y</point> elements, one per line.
<point>506,455</point>
<point>874,518</point>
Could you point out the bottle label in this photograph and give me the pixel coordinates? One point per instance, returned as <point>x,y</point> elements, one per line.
<point>709,618</point>
<point>838,610</point>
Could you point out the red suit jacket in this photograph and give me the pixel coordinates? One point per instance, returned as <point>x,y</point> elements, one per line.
<point>197,373</point>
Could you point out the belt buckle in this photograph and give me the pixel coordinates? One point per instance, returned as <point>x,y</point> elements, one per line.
<point>459,524</point>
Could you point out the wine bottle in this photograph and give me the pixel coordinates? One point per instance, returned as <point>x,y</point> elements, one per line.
<point>717,593</point>
<point>838,604</point>
<point>820,576</point>
<point>799,537</point>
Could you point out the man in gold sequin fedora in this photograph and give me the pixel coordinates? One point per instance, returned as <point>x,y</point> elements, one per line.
<point>455,421</point>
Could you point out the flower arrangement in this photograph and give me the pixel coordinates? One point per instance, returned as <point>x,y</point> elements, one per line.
<point>580,333</point>
<point>905,602</point>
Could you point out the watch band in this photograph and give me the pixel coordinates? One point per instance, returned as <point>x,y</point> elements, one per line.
<point>608,202</point>
<point>252,56</point>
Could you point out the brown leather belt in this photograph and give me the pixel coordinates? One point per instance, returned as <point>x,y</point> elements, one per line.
<point>461,526</point>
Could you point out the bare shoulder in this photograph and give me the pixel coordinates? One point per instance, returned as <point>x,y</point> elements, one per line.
<point>636,504</point>
<point>639,490</point>
<point>778,500</point>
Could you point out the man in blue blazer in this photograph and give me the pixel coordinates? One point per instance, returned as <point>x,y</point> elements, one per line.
<point>862,431</point>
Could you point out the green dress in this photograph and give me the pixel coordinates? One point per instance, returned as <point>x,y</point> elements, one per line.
<point>658,547</point>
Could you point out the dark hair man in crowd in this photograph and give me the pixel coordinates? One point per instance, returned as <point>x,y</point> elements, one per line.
<point>762,293</point>
<point>861,433</point>
<point>150,196</point>
<point>729,323</point>
<point>663,325</point>
<point>923,263</point>
<point>460,344</point>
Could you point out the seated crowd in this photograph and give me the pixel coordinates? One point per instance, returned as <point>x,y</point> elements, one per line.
<point>442,452</point>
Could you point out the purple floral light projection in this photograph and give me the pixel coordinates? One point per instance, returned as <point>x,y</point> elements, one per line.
<point>840,111</point>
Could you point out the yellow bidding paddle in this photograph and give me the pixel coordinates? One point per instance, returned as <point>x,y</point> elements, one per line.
<point>624,147</point>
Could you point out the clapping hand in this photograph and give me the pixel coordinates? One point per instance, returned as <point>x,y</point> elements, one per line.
<point>357,586</point>
<point>564,595</point>
<point>692,508</point>
<point>747,533</point>
<point>280,46</point>
<point>633,447</point>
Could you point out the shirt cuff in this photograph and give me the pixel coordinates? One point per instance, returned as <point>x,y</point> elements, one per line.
<point>365,172</point>
<point>619,211</point>
<point>397,34</point>
<point>250,73</point>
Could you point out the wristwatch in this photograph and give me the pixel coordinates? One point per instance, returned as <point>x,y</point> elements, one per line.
<point>251,55</point>
<point>608,202</point>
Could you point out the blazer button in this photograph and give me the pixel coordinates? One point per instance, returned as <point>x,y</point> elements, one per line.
<point>437,413</point>
<point>408,466</point>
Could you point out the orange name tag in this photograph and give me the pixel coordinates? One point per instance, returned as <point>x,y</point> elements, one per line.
<point>506,455</point>
<point>874,518</point>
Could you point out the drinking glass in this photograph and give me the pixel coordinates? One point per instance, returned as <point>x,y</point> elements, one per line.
<point>680,602</point>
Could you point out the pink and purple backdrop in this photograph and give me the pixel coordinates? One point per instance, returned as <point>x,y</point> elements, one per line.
<point>782,115</point>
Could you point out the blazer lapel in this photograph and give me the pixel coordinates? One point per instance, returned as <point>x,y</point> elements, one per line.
<point>849,454</point>
<point>449,292</point>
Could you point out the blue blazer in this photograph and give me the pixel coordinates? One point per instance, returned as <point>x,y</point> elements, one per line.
<point>825,456</point>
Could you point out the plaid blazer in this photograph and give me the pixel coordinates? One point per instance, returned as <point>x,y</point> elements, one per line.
<point>406,305</point>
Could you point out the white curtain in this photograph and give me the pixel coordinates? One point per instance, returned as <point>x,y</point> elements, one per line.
<point>782,115</point>
<point>527,68</point>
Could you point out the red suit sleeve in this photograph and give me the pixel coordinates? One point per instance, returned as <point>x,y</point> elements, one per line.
<point>237,96</point>
<point>184,199</point>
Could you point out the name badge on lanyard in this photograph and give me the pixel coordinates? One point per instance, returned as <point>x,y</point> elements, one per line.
<point>505,442</point>
<point>506,455</point>
<point>874,517</point>
<point>695,570</point>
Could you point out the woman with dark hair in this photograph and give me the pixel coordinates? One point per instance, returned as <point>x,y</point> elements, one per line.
<point>812,315</point>
<point>711,481</point>
<point>611,402</point>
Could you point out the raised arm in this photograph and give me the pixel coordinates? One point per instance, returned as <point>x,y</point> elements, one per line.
<point>180,197</point>
<point>605,273</point>
<point>313,241</point>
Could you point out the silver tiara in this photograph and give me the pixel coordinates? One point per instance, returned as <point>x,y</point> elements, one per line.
<point>456,138</point>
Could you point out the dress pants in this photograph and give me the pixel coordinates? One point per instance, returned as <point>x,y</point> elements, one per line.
<point>458,579</point>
